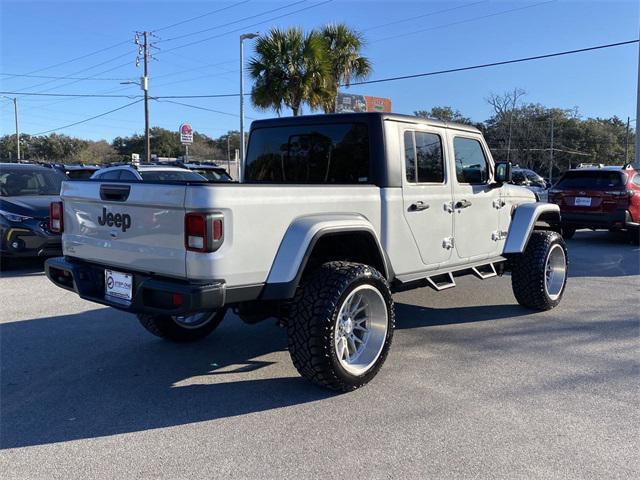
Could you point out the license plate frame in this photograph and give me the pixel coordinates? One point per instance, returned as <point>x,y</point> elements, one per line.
<point>582,201</point>
<point>118,285</point>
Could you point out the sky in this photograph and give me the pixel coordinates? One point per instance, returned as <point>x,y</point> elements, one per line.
<point>93,41</point>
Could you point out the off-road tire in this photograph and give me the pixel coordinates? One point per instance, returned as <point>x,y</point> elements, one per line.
<point>528,272</point>
<point>568,232</point>
<point>312,318</point>
<point>164,326</point>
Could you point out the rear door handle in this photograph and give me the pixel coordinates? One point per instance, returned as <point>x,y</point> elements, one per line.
<point>418,206</point>
<point>462,204</point>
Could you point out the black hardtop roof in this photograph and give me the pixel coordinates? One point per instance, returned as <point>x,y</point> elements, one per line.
<point>365,117</point>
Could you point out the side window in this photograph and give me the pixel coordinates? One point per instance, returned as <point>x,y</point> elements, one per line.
<point>110,175</point>
<point>636,179</point>
<point>423,157</point>
<point>410,156</point>
<point>127,176</point>
<point>471,164</point>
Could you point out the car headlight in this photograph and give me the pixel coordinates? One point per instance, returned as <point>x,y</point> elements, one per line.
<point>14,217</point>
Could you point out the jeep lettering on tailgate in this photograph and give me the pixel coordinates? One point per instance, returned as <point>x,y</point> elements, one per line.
<point>119,220</point>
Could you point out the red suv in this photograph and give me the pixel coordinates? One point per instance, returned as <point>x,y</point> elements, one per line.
<point>599,197</point>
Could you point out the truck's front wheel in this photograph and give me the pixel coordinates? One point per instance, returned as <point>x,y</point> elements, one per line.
<point>340,325</point>
<point>539,274</point>
<point>183,328</point>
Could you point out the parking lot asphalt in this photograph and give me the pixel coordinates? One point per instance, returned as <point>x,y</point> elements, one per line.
<point>475,387</point>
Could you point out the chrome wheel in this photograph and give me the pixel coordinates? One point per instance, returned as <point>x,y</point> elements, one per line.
<point>361,329</point>
<point>555,272</point>
<point>194,320</point>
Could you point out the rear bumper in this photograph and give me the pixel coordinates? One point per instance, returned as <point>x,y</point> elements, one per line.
<point>152,295</point>
<point>615,219</point>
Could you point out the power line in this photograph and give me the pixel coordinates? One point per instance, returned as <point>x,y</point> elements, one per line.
<point>247,26</point>
<point>82,71</point>
<point>198,107</point>
<point>64,78</point>
<point>430,14</point>
<point>74,59</point>
<point>463,21</point>
<point>365,82</point>
<point>190,34</point>
<point>88,119</point>
<point>494,64</point>
<point>200,16</point>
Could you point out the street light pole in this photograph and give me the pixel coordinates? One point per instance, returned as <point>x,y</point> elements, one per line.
<point>15,111</point>
<point>243,37</point>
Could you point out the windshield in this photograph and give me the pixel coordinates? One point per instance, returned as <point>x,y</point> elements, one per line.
<point>214,175</point>
<point>16,182</point>
<point>590,180</point>
<point>171,176</point>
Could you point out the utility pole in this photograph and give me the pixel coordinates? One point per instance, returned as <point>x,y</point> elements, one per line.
<point>551,153</point>
<point>145,86</point>
<point>143,51</point>
<point>15,111</point>
<point>626,143</point>
<point>637,162</point>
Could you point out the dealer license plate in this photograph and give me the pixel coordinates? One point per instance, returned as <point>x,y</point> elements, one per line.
<point>582,202</point>
<point>118,285</point>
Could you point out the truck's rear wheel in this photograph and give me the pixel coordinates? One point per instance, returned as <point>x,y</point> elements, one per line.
<point>183,328</point>
<point>539,274</point>
<point>340,325</point>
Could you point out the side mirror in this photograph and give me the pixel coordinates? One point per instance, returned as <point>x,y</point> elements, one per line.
<point>503,173</point>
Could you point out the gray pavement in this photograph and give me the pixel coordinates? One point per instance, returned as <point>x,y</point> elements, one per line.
<point>475,387</point>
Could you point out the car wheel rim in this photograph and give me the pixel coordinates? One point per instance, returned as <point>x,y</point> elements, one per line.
<point>361,329</point>
<point>555,272</point>
<point>194,320</point>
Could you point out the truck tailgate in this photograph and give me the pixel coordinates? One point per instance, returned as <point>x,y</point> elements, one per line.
<point>134,226</point>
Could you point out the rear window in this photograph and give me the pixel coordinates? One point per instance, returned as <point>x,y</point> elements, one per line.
<point>80,174</point>
<point>214,175</point>
<point>171,176</point>
<point>309,154</point>
<point>586,180</point>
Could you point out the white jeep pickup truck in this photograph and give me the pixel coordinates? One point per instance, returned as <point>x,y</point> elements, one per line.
<point>335,213</point>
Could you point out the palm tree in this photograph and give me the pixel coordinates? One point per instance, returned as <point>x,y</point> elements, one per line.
<point>290,68</point>
<point>343,47</point>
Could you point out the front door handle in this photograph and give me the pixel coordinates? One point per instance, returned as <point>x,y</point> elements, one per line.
<point>462,204</point>
<point>418,206</point>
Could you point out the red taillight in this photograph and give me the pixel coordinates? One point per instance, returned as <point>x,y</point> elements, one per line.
<point>56,223</point>
<point>203,232</point>
<point>195,232</point>
<point>217,229</point>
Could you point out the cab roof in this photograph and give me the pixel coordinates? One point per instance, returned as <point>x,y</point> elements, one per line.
<point>364,117</point>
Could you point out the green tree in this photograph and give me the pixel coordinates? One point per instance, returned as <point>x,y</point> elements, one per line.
<point>343,47</point>
<point>290,68</point>
<point>446,114</point>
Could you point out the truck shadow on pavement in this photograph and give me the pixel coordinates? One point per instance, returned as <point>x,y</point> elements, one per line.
<point>99,373</point>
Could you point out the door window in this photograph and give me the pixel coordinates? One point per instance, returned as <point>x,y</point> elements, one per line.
<point>471,163</point>
<point>424,162</point>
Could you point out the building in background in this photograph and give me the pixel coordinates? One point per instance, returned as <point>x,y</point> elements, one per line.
<point>350,103</point>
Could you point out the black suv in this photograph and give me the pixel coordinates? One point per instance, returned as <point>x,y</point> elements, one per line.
<point>26,192</point>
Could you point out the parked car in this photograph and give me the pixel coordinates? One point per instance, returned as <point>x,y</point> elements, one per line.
<point>79,172</point>
<point>599,198</point>
<point>532,181</point>
<point>26,193</point>
<point>210,171</point>
<point>148,173</point>
<point>335,213</point>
